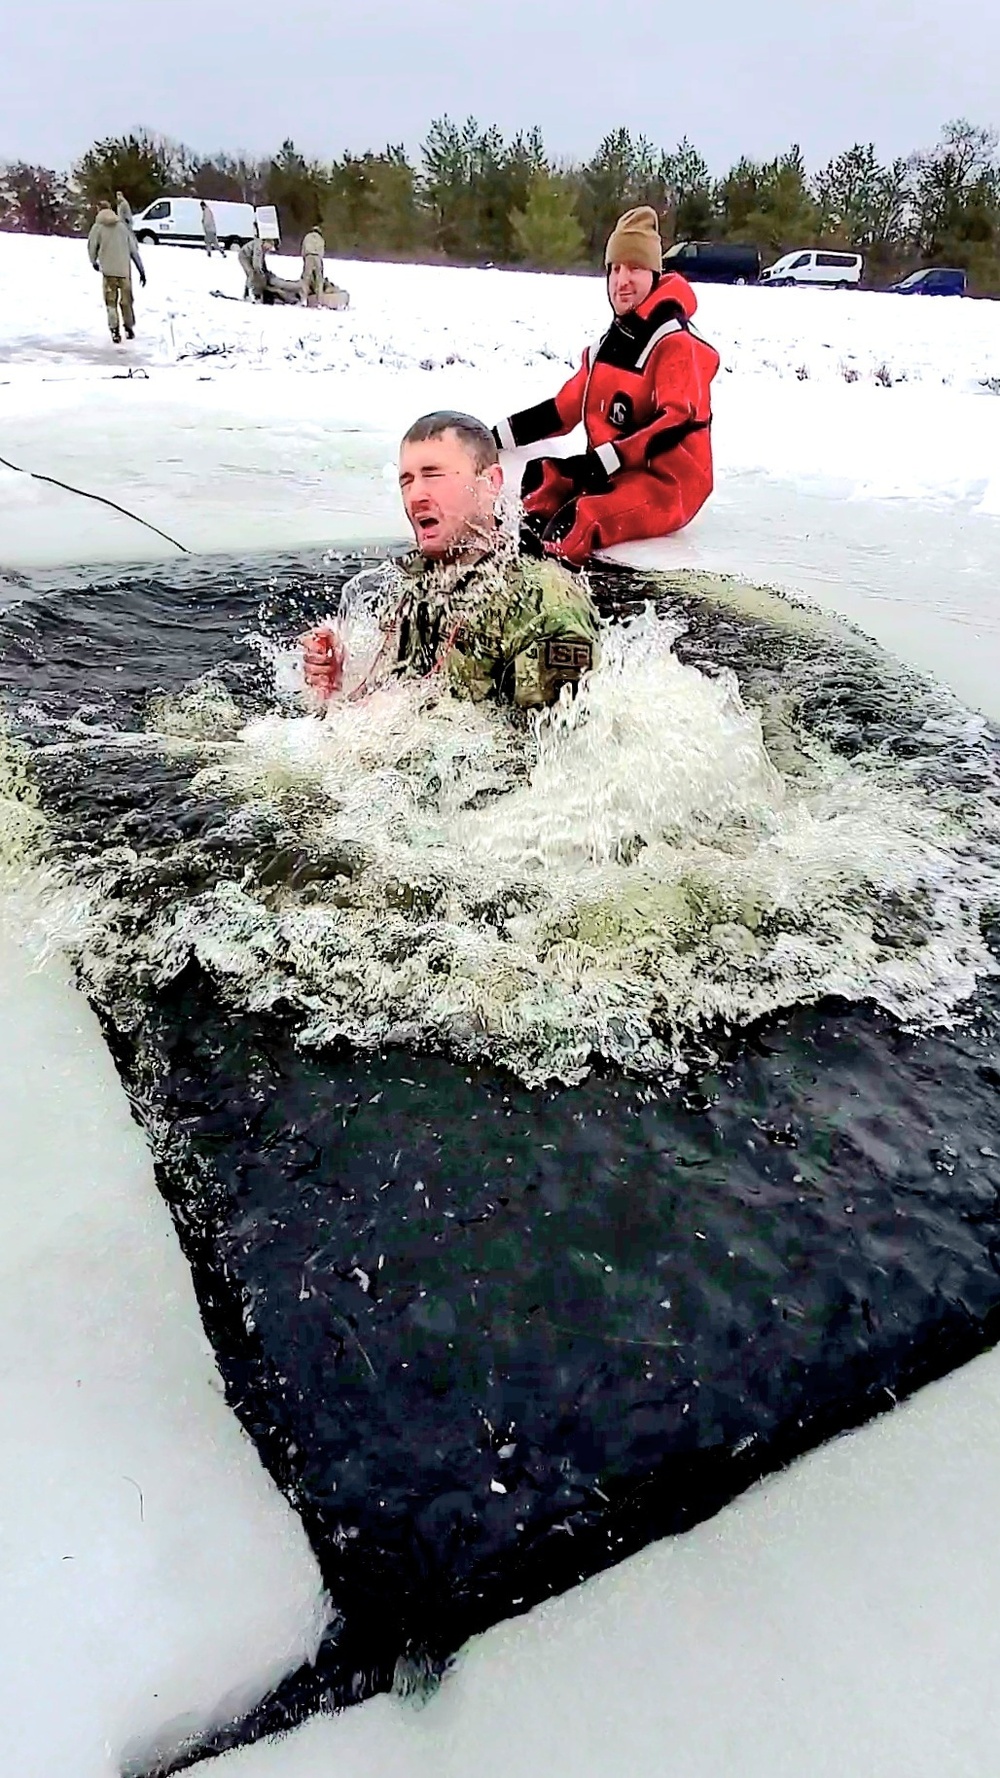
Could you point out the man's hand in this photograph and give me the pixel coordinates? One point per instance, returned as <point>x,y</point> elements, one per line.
<point>586,472</point>
<point>142,279</point>
<point>323,657</point>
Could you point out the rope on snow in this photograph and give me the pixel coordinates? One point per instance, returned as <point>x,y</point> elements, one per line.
<point>100,498</point>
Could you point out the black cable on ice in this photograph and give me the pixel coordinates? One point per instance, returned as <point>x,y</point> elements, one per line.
<point>100,498</point>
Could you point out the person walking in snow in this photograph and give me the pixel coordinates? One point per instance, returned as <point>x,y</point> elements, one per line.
<point>211,232</point>
<point>113,252</point>
<point>124,209</point>
<point>643,394</point>
<point>313,250</point>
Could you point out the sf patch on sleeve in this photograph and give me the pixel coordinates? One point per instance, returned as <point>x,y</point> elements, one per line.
<point>568,656</point>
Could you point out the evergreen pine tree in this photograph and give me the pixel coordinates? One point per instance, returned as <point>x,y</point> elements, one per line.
<point>451,158</point>
<point>398,219</point>
<point>142,165</point>
<point>689,189</point>
<point>626,171</point>
<point>769,203</point>
<point>372,206</point>
<point>547,231</point>
<point>298,190</point>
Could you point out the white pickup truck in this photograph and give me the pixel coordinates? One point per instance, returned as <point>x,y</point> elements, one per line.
<point>179,220</point>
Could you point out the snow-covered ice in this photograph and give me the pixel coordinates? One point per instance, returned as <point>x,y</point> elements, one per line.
<point>151,1570</point>
<point>522,327</point>
<point>838,1618</point>
<point>242,428</point>
<point>842,1615</point>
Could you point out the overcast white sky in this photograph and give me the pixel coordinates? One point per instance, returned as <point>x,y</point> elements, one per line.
<point>734,76</point>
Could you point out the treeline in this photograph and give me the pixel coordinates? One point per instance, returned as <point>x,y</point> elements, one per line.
<point>473,197</point>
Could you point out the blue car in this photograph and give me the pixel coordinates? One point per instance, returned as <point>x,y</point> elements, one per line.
<point>933,280</point>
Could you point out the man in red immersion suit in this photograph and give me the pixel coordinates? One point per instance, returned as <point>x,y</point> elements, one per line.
<point>643,394</point>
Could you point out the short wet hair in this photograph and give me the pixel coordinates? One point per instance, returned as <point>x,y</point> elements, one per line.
<point>477,438</point>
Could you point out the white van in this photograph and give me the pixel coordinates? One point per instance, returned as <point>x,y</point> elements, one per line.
<point>179,220</point>
<point>835,271</point>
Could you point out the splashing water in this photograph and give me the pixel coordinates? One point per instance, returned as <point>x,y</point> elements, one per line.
<point>39,905</point>
<point>616,879</point>
<point>22,824</point>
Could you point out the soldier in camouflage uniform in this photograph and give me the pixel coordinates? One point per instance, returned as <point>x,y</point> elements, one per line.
<point>512,626</point>
<point>500,620</point>
<point>113,252</point>
<point>254,267</point>
<point>313,250</point>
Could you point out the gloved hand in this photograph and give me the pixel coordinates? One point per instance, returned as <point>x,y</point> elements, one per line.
<point>142,279</point>
<point>586,472</point>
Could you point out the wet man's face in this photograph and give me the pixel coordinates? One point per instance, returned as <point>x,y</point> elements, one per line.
<point>628,286</point>
<point>450,504</point>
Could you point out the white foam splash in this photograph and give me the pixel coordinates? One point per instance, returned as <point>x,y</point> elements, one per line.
<point>628,871</point>
<point>41,908</point>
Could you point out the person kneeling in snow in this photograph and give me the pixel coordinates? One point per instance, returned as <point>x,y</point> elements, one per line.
<point>496,620</point>
<point>253,263</point>
<point>643,394</point>
<point>113,252</point>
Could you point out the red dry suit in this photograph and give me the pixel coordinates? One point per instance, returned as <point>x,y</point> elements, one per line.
<point>643,394</point>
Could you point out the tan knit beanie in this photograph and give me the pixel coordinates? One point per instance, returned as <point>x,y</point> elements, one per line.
<point>636,240</point>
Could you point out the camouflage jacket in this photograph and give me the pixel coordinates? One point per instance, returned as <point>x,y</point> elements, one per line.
<point>514,627</point>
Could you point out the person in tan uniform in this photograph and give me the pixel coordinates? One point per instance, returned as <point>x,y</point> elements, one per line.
<point>313,249</point>
<point>210,230</point>
<point>113,252</point>
<point>254,264</point>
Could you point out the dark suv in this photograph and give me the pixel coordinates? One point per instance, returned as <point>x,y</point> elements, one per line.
<point>713,262</point>
<point>933,280</point>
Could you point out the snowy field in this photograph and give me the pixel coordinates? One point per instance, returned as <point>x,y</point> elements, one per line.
<point>857,436</point>
<point>840,1616</point>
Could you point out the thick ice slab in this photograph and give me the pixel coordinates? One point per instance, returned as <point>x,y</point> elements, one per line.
<point>839,1618</point>
<point>150,1567</point>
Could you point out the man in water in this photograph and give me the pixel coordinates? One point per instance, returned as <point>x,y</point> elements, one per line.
<point>113,252</point>
<point>643,394</point>
<point>499,621</point>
